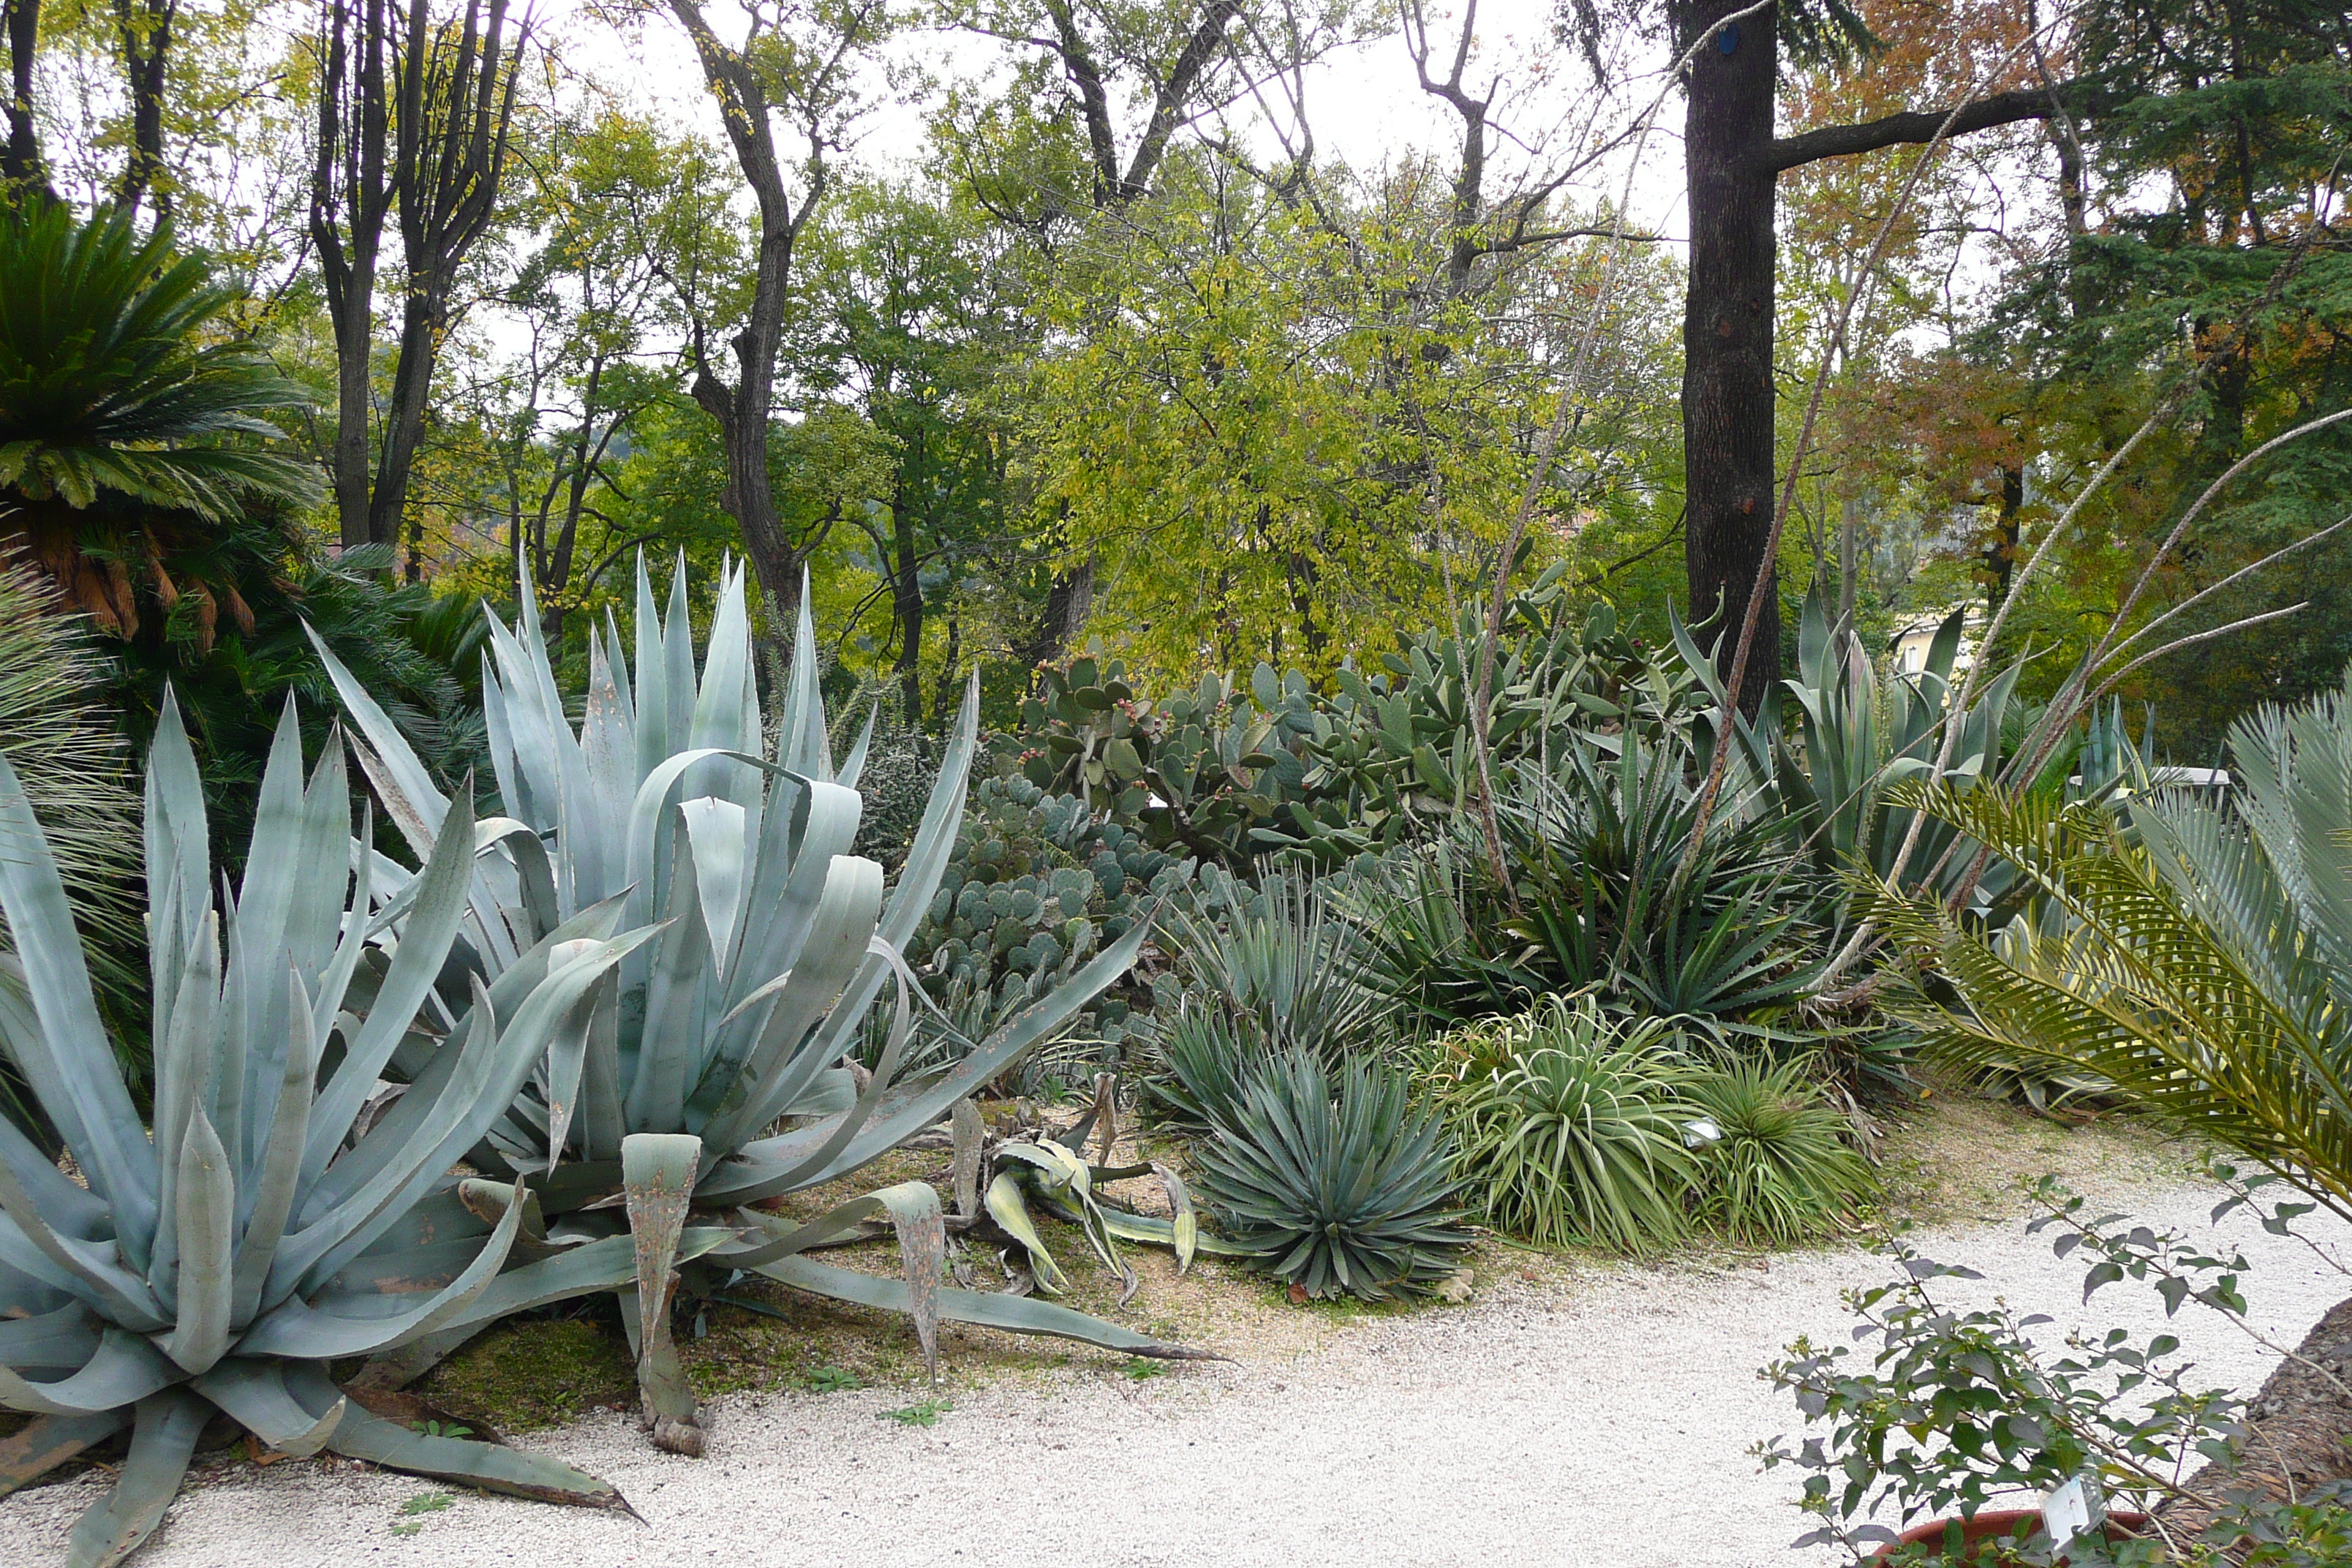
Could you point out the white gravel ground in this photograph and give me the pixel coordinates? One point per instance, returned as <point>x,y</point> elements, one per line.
<point>1602,1424</point>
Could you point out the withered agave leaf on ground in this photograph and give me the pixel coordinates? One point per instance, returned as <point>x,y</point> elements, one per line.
<point>223,1261</point>
<point>662,804</point>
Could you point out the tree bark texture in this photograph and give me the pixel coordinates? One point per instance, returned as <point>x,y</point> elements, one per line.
<point>20,163</point>
<point>1726,398</point>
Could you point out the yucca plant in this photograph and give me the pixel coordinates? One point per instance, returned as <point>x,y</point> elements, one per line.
<point>223,1261</point>
<point>1332,1181</point>
<point>1778,1169</point>
<point>2197,962</point>
<point>775,943</point>
<point>1572,1127</point>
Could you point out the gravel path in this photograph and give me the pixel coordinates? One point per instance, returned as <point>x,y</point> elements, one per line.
<point>1601,1422</point>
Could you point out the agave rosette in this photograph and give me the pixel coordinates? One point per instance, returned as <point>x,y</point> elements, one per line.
<point>221,1261</point>
<point>775,944</point>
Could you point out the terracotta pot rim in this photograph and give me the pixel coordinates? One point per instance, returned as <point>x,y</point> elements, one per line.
<point>1995,1521</point>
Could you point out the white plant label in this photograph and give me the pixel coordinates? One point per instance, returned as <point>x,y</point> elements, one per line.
<point>2067,1510</point>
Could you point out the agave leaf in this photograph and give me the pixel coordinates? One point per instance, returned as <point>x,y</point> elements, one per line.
<point>390,1137</point>
<point>313,1330</point>
<point>1008,1206</point>
<point>484,1080</point>
<point>970,1132</point>
<point>362,1436</point>
<point>48,1441</point>
<point>162,1440</point>
<point>674,1002</point>
<point>658,1171</point>
<point>782,1062</point>
<point>536,875</point>
<point>989,1309</point>
<point>412,797</point>
<point>124,1370</point>
<point>65,1206</point>
<point>282,1162</point>
<point>922,1107</point>
<point>254,1393</point>
<point>714,831</point>
<point>432,926</point>
<point>606,1265</point>
<point>86,1268</point>
<point>913,1210</point>
<point>64,1338</point>
<point>207,1214</point>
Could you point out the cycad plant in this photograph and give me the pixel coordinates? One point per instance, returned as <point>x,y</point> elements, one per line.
<point>775,943</point>
<point>121,413</point>
<point>2198,962</point>
<point>223,1261</point>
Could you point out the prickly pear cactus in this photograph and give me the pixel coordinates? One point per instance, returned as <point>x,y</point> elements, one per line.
<point>1036,884</point>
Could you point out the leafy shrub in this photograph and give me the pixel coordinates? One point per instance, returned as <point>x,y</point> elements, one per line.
<point>1572,1128</point>
<point>1780,1169</point>
<point>1333,1180</point>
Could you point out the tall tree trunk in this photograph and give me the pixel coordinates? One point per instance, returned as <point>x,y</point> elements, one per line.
<point>20,163</point>
<point>1727,336</point>
<point>145,27</point>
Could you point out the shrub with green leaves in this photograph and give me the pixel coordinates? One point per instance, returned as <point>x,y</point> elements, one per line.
<point>1570,1128</point>
<point>1333,1181</point>
<point>1779,1168</point>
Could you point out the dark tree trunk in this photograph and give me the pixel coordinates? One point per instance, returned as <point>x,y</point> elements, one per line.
<point>1727,336</point>
<point>145,29</point>
<point>20,163</point>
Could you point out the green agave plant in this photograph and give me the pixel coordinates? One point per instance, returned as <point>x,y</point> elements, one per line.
<point>222,1261</point>
<point>663,806</point>
<point>1332,1182</point>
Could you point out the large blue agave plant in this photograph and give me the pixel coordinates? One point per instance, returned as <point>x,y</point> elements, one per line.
<point>663,805</point>
<point>223,1259</point>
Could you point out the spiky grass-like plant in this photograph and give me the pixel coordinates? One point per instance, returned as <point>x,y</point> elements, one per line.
<point>1574,1130</point>
<point>1333,1181</point>
<point>1778,1169</point>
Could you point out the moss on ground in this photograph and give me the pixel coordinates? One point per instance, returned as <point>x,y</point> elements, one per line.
<point>531,1373</point>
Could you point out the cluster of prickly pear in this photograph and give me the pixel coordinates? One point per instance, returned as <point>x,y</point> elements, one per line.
<point>1213,772</point>
<point>1035,884</point>
<point>1229,774</point>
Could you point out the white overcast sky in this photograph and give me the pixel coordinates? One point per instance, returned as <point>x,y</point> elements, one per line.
<point>1365,102</point>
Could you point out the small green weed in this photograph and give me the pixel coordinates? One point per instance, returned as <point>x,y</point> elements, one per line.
<point>411,1528</point>
<point>923,1412</point>
<point>1140,1369</point>
<point>834,1379</point>
<point>440,1429</point>
<point>427,1502</point>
